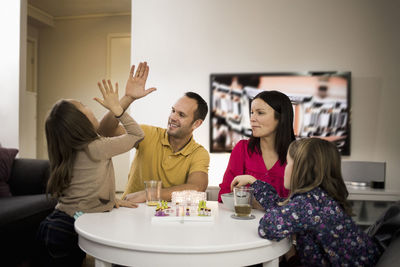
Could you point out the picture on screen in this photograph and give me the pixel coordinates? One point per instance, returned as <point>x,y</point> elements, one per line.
<point>321,105</point>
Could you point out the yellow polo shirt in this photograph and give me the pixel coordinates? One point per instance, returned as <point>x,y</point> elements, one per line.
<point>155,160</point>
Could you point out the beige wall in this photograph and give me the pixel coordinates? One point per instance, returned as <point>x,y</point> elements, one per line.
<point>186,40</point>
<point>72,58</point>
<point>12,69</point>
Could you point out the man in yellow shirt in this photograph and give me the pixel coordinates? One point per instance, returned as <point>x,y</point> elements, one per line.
<point>169,155</point>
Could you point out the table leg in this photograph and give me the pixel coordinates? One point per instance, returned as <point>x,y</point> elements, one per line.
<point>100,263</point>
<point>273,263</point>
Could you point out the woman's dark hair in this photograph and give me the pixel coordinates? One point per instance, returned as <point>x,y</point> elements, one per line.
<point>67,131</point>
<point>284,132</point>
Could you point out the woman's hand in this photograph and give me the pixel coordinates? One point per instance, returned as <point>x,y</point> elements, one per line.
<point>110,97</point>
<point>137,81</point>
<point>124,203</point>
<point>242,180</point>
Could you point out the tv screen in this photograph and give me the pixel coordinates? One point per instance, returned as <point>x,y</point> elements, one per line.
<point>321,105</point>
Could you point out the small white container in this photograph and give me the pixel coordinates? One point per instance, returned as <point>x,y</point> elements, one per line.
<point>228,201</point>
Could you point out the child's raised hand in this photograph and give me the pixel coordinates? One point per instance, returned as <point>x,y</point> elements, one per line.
<point>242,180</point>
<point>110,97</point>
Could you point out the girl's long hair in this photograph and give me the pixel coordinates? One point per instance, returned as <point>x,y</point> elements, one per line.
<point>67,131</point>
<point>284,114</point>
<point>316,162</point>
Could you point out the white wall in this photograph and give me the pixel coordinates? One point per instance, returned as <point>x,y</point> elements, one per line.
<point>11,54</point>
<point>72,58</point>
<point>186,40</point>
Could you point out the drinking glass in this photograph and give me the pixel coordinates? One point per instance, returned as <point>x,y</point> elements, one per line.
<point>153,192</point>
<point>243,197</point>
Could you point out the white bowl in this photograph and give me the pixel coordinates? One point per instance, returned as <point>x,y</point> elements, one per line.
<point>228,201</point>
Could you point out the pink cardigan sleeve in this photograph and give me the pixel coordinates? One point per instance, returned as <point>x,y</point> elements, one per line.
<point>235,167</point>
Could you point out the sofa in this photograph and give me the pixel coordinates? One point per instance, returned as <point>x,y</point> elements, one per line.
<point>386,231</point>
<point>23,209</point>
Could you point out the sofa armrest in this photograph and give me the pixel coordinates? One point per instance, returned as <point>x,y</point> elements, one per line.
<point>29,176</point>
<point>391,254</point>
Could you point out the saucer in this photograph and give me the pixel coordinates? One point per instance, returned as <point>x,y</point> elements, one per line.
<point>251,217</point>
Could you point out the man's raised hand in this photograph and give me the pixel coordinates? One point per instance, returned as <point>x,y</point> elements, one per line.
<point>135,86</point>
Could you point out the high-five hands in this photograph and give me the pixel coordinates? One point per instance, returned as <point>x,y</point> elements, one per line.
<point>242,180</point>
<point>110,97</point>
<point>135,86</point>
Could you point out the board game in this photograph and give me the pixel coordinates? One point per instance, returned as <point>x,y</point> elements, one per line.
<point>167,212</point>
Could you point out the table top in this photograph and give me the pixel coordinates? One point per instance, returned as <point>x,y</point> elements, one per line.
<point>132,229</point>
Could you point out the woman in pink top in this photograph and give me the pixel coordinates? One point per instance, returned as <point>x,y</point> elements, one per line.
<point>263,156</point>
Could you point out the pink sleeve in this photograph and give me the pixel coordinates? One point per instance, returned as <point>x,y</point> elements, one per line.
<point>235,168</point>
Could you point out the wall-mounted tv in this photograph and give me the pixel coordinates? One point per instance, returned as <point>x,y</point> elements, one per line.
<point>321,104</point>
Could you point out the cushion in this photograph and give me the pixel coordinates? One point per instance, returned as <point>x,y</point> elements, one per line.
<point>29,176</point>
<point>7,156</point>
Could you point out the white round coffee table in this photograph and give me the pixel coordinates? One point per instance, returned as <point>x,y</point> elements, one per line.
<point>128,237</point>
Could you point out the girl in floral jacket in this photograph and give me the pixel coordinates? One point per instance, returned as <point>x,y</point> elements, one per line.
<point>316,211</point>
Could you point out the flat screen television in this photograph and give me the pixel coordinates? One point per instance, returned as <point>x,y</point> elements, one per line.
<point>321,105</point>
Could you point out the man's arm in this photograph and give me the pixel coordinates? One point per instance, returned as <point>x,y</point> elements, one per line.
<point>109,125</point>
<point>196,181</point>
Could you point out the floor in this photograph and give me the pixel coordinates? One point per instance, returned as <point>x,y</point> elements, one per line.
<point>88,262</point>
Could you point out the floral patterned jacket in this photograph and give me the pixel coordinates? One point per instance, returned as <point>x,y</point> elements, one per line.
<point>325,234</point>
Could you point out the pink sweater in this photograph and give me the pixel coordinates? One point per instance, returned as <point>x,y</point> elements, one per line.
<point>241,163</point>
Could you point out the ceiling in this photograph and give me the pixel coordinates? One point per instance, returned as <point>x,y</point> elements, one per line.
<point>65,8</point>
